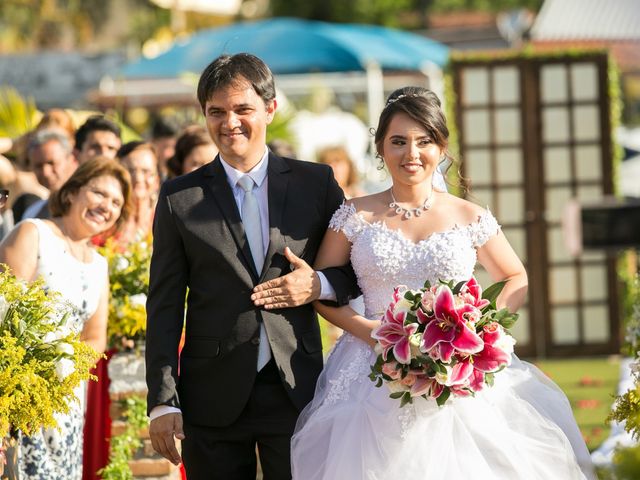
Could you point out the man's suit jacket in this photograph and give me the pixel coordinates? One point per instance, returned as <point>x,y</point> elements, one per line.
<point>200,244</point>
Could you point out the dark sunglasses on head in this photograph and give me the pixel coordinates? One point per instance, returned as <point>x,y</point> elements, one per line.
<point>4,196</point>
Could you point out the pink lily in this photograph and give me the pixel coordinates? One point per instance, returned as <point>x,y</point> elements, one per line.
<point>426,386</point>
<point>472,294</point>
<point>423,318</point>
<point>492,357</point>
<point>450,327</point>
<point>393,334</point>
<point>476,380</point>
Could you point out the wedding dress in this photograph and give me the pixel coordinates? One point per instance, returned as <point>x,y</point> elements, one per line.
<point>521,428</point>
<point>56,453</point>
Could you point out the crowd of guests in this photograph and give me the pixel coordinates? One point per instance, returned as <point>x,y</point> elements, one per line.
<point>82,186</point>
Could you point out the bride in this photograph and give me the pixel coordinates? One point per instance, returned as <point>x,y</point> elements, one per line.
<point>521,428</point>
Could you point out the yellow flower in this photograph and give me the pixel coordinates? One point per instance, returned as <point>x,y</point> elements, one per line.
<point>129,284</point>
<point>34,339</point>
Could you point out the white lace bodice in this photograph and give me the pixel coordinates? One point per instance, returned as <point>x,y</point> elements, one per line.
<point>384,258</point>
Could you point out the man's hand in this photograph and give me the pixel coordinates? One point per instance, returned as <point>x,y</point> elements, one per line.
<point>162,430</point>
<point>291,290</point>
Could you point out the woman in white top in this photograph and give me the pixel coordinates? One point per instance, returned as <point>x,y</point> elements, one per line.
<point>94,200</point>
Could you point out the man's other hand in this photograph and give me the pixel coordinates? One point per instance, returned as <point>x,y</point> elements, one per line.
<point>162,431</point>
<point>299,287</point>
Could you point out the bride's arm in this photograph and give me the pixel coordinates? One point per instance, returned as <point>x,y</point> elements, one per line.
<point>334,251</point>
<point>502,263</point>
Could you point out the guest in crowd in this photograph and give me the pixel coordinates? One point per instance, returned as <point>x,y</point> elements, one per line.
<point>98,136</point>
<point>164,134</point>
<point>51,159</point>
<point>24,187</point>
<point>60,119</point>
<point>140,160</point>
<point>95,199</point>
<point>194,148</point>
<point>343,169</point>
<point>282,148</point>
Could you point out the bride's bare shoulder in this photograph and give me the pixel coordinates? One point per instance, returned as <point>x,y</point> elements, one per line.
<point>370,205</point>
<point>461,210</point>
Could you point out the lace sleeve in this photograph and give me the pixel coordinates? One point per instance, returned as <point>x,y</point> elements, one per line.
<point>486,227</point>
<point>346,220</point>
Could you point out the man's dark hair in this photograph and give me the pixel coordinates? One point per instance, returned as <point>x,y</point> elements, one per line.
<point>228,70</point>
<point>164,128</point>
<point>95,123</point>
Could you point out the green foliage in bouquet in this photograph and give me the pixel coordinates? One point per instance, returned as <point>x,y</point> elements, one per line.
<point>42,360</point>
<point>420,363</point>
<point>129,284</point>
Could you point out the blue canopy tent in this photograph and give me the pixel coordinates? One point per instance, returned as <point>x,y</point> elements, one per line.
<point>295,46</point>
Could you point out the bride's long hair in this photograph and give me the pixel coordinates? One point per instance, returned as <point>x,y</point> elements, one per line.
<point>424,107</point>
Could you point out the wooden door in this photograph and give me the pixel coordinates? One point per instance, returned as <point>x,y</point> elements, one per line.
<point>534,133</point>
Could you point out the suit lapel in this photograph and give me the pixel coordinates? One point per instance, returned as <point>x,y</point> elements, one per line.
<point>216,178</point>
<point>278,176</point>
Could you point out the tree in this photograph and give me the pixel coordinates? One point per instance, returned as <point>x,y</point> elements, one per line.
<point>379,12</point>
<point>69,24</point>
<point>393,13</point>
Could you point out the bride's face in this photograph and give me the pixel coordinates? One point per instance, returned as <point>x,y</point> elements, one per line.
<point>411,155</point>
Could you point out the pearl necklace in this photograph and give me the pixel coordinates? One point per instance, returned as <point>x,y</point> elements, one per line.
<point>411,212</point>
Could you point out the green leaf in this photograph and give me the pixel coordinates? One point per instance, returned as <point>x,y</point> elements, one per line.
<point>411,318</point>
<point>444,396</point>
<point>406,398</point>
<point>489,378</point>
<point>456,290</point>
<point>492,292</point>
<point>408,295</point>
<point>396,395</point>
<point>509,320</point>
<point>379,383</point>
<point>439,367</point>
<point>427,285</point>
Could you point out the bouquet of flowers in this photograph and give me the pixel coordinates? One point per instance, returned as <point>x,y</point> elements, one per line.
<point>129,283</point>
<point>42,359</point>
<point>442,340</point>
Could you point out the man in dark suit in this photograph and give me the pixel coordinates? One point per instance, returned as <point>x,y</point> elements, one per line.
<point>246,218</point>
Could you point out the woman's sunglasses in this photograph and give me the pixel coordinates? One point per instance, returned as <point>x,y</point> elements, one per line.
<point>4,196</point>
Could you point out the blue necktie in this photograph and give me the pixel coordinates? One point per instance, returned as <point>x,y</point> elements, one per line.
<point>253,230</point>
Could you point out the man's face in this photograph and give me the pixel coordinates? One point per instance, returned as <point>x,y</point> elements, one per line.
<point>52,165</point>
<point>237,120</point>
<point>99,143</point>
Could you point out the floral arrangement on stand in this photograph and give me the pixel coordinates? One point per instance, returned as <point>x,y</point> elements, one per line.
<point>129,284</point>
<point>626,408</point>
<point>442,340</point>
<point>124,446</point>
<point>42,359</point>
